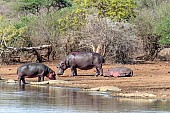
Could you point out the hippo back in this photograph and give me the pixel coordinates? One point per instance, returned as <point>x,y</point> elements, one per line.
<point>84,60</point>
<point>31,68</point>
<point>119,71</point>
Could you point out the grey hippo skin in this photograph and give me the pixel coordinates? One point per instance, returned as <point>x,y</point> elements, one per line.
<point>32,70</point>
<point>119,72</point>
<point>81,60</point>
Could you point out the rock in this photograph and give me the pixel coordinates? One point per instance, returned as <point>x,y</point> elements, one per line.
<point>50,82</point>
<point>1,78</point>
<point>39,83</point>
<point>11,81</point>
<point>104,89</point>
<point>109,88</point>
<point>94,89</point>
<point>137,94</point>
<point>164,54</point>
<point>59,82</point>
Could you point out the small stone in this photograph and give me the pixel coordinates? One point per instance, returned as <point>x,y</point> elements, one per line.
<point>39,83</point>
<point>59,82</point>
<point>10,81</point>
<point>164,96</point>
<point>95,89</point>
<point>1,78</point>
<point>106,88</point>
<point>148,95</point>
<point>110,88</point>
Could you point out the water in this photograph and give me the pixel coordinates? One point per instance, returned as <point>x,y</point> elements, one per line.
<point>48,99</point>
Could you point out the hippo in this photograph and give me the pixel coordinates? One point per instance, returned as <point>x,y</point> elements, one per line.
<point>31,70</point>
<point>83,61</point>
<point>119,72</point>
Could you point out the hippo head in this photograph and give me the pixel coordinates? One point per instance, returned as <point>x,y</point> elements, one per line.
<point>61,67</point>
<point>106,73</point>
<point>51,75</point>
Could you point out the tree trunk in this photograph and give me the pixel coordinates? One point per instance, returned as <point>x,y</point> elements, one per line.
<point>34,50</point>
<point>99,49</point>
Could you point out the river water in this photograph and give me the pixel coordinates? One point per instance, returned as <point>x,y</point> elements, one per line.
<point>50,99</point>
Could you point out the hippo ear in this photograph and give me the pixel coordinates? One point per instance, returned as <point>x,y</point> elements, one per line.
<point>52,71</point>
<point>64,64</point>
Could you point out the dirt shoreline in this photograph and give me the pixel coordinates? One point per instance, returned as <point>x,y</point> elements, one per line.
<point>152,78</point>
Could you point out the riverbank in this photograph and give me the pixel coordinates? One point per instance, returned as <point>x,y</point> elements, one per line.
<point>149,78</point>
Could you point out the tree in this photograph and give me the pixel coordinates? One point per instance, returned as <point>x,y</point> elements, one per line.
<point>150,15</point>
<point>163,30</point>
<point>72,24</point>
<point>117,10</point>
<point>9,33</point>
<point>162,26</point>
<point>35,6</point>
<point>117,41</point>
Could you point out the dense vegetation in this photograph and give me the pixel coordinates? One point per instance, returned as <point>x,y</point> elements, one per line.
<point>121,30</point>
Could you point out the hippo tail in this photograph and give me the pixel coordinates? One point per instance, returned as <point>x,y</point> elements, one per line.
<point>103,60</point>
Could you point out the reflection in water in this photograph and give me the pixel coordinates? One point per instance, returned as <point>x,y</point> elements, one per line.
<point>48,99</point>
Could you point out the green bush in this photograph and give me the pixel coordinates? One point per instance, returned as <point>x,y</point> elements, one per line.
<point>163,29</point>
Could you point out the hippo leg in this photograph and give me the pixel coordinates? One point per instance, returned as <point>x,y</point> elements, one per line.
<point>130,74</point>
<point>73,71</point>
<point>43,78</point>
<point>40,78</point>
<point>21,78</point>
<point>99,71</point>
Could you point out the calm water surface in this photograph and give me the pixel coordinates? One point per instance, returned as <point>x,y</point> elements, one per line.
<point>48,99</point>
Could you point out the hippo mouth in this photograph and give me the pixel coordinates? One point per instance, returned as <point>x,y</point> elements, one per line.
<point>59,73</point>
<point>53,78</point>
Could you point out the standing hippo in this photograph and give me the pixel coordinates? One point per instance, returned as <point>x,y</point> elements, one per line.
<point>32,70</point>
<point>81,60</point>
<point>119,72</point>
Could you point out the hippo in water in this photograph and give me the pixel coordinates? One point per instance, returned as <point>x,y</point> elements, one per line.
<point>81,60</point>
<point>32,70</point>
<point>119,72</point>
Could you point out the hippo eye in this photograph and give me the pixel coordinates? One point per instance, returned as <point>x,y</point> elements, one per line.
<point>62,63</point>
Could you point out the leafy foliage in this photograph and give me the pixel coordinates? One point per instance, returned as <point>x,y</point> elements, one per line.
<point>34,6</point>
<point>88,25</point>
<point>9,33</point>
<point>24,21</point>
<point>117,10</point>
<point>149,18</point>
<point>114,9</point>
<point>72,20</point>
<point>163,29</point>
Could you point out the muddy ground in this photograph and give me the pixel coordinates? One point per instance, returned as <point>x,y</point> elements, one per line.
<point>149,77</point>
